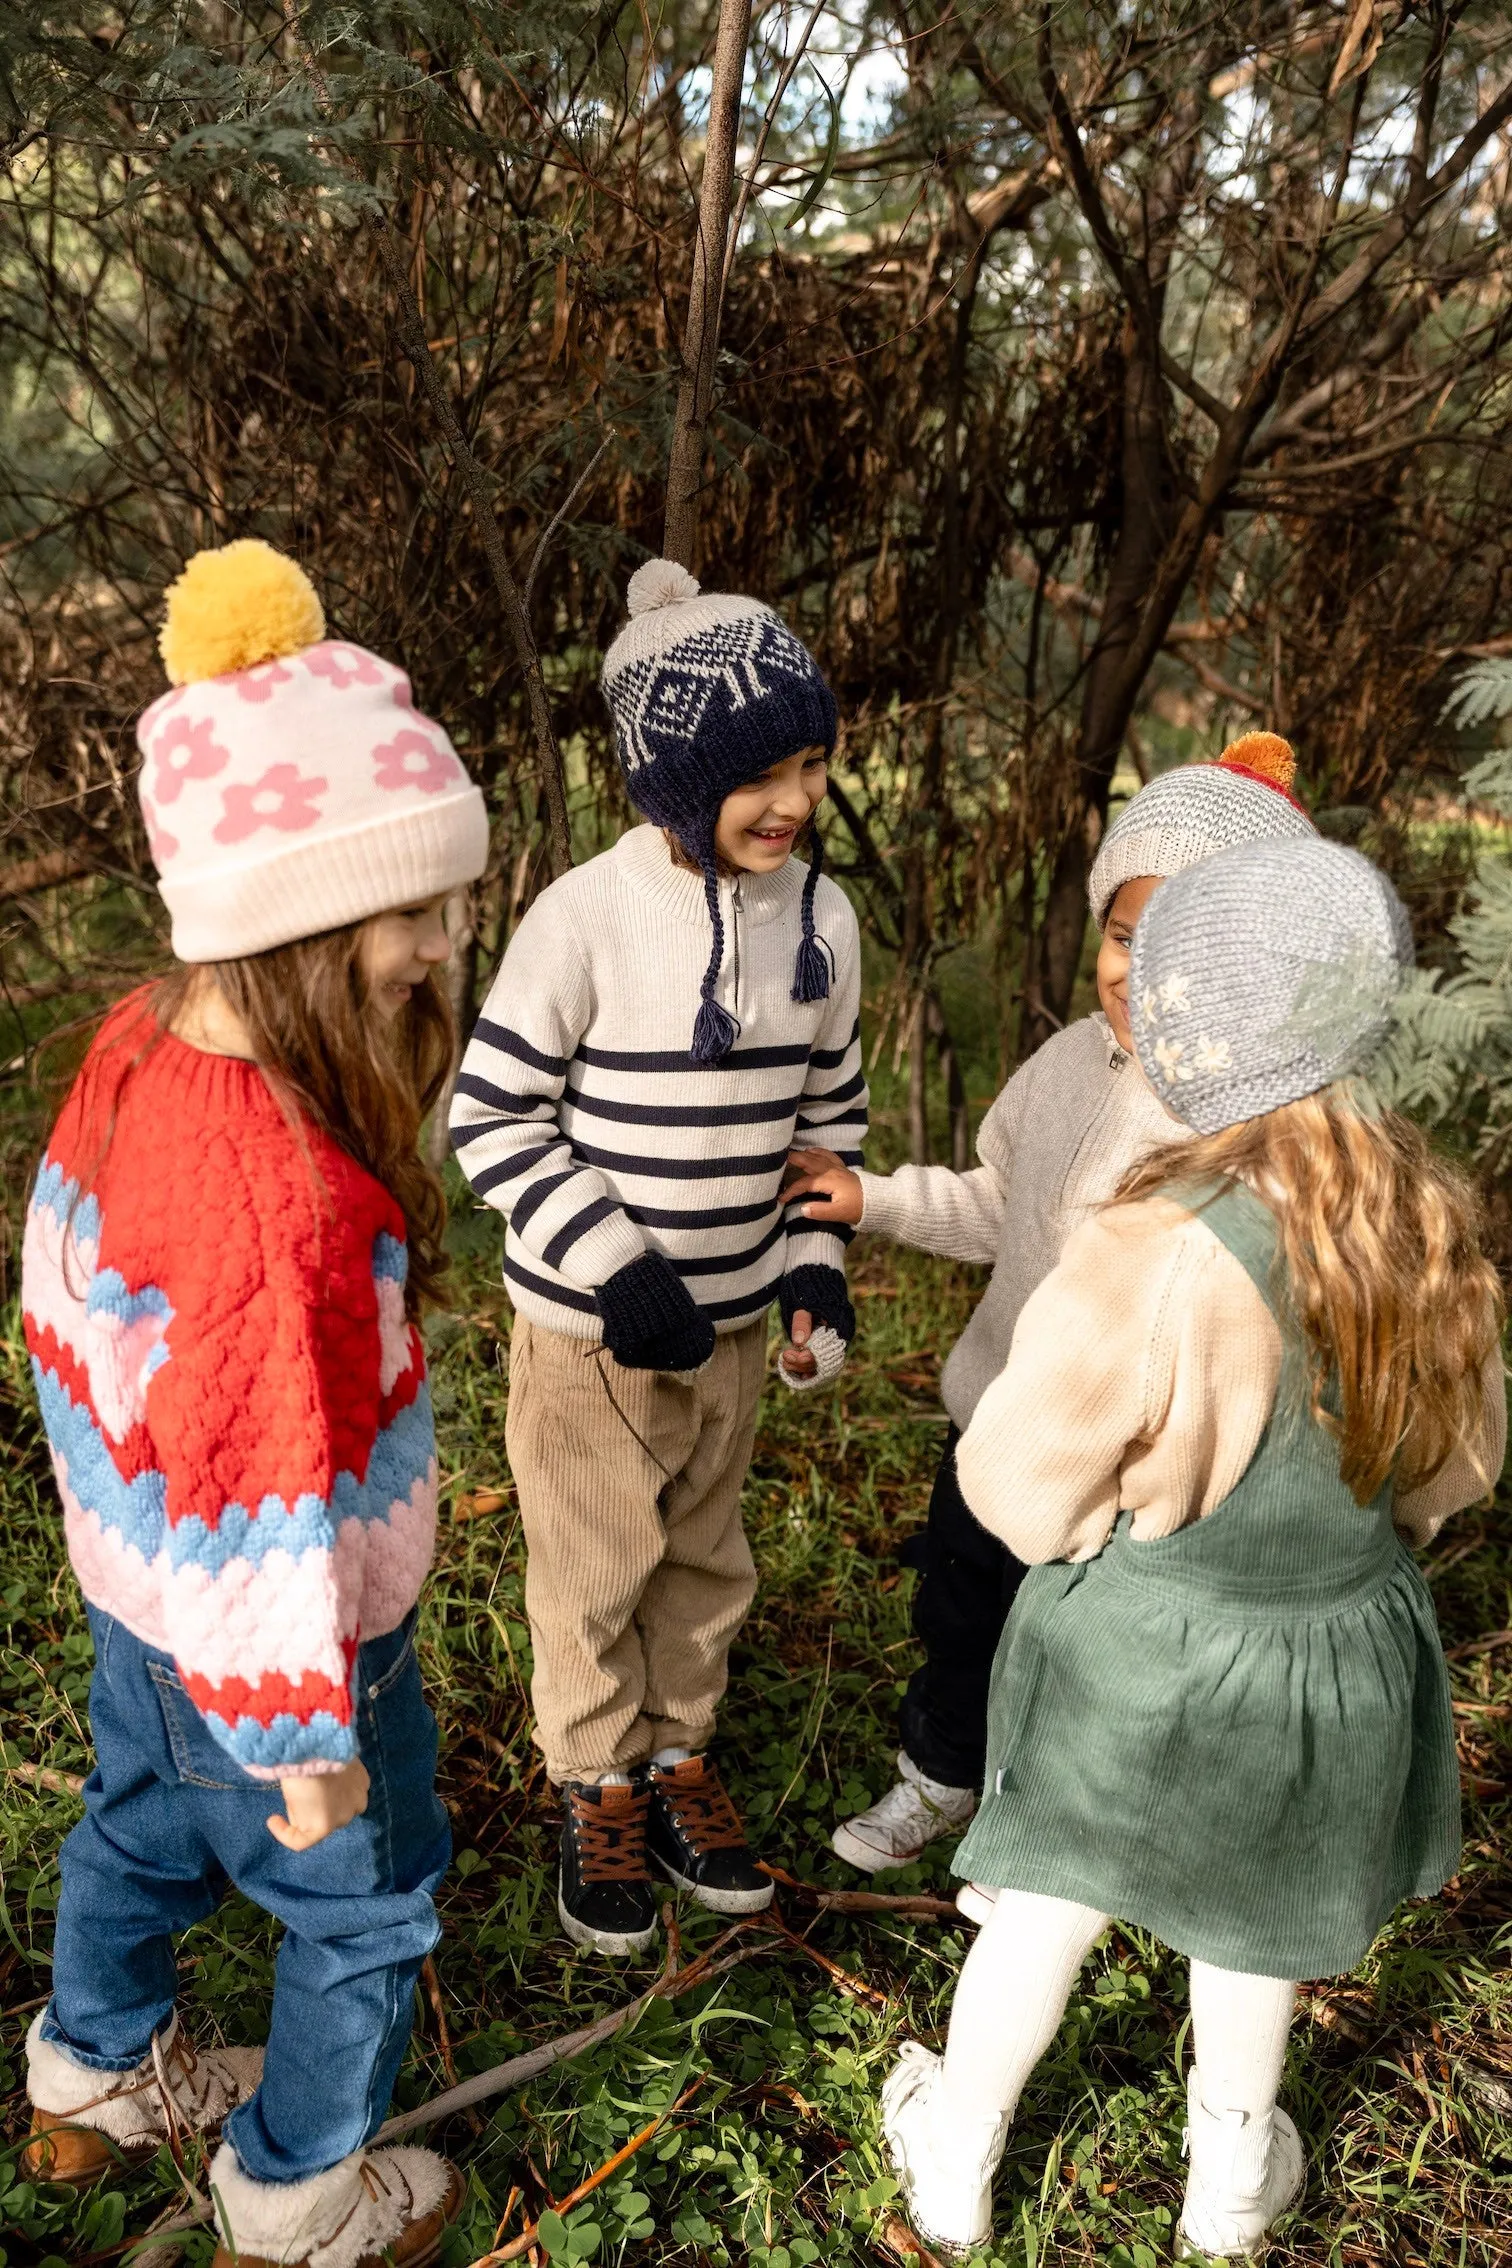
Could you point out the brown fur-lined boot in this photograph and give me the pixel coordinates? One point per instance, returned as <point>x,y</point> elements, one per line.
<point>85,2123</point>
<point>375,2207</point>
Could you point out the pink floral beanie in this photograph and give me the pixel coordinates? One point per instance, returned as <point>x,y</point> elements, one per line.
<point>288,782</point>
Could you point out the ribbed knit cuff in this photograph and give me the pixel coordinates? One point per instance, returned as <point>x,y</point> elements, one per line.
<point>651,1321</point>
<point>882,1211</point>
<point>821,1292</point>
<point>828,1350</point>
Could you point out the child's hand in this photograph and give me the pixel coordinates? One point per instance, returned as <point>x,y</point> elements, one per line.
<point>319,1804</point>
<point>796,1359</point>
<point>819,1173</point>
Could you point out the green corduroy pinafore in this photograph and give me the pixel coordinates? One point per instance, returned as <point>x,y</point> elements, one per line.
<point>1237,1737</point>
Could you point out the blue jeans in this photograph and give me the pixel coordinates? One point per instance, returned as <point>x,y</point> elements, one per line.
<point>170,1820</point>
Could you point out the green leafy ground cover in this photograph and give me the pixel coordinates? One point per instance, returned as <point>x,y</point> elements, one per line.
<point>1400,2080</point>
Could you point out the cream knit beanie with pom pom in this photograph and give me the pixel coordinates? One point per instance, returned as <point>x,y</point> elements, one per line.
<point>289,784</point>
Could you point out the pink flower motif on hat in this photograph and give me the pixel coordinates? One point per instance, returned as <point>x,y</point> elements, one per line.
<point>344,665</point>
<point>162,845</point>
<point>402,691</point>
<point>411,760</point>
<point>185,750</point>
<point>282,798</point>
<point>258,682</point>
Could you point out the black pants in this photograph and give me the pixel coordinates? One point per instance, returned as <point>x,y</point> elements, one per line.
<point>968,1581</point>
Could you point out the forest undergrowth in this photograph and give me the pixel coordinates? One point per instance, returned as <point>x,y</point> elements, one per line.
<point>765,2079</point>
<point>1401,2080</point>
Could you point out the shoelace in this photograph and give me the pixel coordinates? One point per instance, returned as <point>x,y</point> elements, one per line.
<point>160,2076</point>
<point>701,1810</point>
<point>611,1843</point>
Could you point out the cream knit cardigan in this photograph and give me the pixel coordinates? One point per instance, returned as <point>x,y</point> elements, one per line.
<point>1143,1372</point>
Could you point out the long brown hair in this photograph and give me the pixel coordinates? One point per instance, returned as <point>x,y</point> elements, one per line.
<point>1397,1304</point>
<point>330,1062</point>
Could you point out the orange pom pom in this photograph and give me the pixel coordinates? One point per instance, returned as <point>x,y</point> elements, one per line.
<point>1266,753</point>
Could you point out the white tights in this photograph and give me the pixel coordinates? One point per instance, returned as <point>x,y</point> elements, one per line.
<point>1012,1995</point>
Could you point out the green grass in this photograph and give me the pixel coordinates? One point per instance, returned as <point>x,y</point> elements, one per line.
<point>1400,2080</point>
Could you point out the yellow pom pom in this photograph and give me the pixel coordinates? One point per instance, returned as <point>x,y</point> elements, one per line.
<point>1266,753</point>
<point>235,607</point>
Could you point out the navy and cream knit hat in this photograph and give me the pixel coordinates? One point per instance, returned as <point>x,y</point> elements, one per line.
<point>707,692</point>
<point>1263,975</point>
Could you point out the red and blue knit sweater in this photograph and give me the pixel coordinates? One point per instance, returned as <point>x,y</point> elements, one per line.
<point>234,1398</point>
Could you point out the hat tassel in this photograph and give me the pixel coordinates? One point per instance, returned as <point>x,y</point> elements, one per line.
<point>715,1030</point>
<point>811,973</point>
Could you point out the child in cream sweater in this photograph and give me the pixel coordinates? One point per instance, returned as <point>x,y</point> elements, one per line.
<point>1053,1148</point>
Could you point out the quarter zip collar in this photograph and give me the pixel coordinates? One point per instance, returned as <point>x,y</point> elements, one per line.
<point>642,859</point>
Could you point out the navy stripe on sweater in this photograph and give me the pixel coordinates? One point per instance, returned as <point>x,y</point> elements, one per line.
<point>684,1114</point>
<point>664,1060</point>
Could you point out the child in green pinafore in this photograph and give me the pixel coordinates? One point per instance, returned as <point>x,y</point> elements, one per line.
<point>1252,1382</point>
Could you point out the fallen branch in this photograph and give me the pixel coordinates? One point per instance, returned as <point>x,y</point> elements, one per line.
<point>912,1905</point>
<point>43,1776</point>
<point>857,1987</point>
<point>438,2009</point>
<point>1484,1645</point>
<point>527,2238</point>
<point>504,2078</point>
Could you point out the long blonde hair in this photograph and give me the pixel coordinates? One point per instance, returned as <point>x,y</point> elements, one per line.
<point>1397,1304</point>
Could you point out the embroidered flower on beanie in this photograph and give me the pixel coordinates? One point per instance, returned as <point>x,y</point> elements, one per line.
<point>289,784</point>
<point>1263,974</point>
<point>1186,814</point>
<point>707,692</point>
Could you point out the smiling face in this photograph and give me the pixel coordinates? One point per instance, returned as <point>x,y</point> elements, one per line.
<point>759,823</point>
<point>1113,954</point>
<point>397,951</point>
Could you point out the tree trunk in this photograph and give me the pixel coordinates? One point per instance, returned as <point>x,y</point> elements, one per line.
<point>480,489</point>
<point>918,1079</point>
<point>1108,697</point>
<point>955,1087</point>
<point>700,355</point>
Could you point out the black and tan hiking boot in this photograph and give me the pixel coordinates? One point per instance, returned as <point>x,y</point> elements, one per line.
<point>696,1840</point>
<point>604,1896</point>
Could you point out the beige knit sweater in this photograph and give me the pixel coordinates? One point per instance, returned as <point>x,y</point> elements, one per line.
<point>1057,1142</point>
<point>1142,1373</point>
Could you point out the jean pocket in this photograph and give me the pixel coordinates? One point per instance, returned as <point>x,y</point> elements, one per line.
<point>385,1660</point>
<point>200,1760</point>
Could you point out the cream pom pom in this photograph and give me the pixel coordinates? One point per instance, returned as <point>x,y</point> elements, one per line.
<point>661,582</point>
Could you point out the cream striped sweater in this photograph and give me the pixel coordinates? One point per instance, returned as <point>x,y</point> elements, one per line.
<point>580,1115</point>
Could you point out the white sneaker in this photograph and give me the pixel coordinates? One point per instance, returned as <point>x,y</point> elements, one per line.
<point>946,2179</point>
<point>895,1831</point>
<point>1245,2172</point>
<point>976,1900</point>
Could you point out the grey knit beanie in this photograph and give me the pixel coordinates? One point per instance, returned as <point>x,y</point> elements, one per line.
<point>1262,975</point>
<point>1187,814</point>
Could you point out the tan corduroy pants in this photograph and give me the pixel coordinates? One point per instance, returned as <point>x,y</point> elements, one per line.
<point>638,1573</point>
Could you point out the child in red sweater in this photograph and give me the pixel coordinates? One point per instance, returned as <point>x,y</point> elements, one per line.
<point>227,1249</point>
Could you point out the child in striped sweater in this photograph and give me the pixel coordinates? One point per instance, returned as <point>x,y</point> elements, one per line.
<point>225,1257</point>
<point>639,1165</point>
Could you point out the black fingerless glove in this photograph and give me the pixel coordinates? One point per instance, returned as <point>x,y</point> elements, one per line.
<point>651,1320</point>
<point>822,1292</point>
